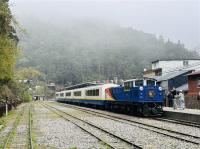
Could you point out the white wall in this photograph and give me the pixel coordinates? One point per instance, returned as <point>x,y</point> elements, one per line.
<point>168,66</point>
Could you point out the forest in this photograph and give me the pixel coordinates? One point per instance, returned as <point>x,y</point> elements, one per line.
<point>81,51</point>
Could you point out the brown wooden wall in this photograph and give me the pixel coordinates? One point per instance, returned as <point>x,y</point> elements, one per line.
<point>192,102</point>
<point>193,86</point>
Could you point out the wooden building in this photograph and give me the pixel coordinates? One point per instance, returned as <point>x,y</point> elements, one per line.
<point>194,84</point>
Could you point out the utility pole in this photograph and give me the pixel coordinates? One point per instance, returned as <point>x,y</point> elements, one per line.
<point>6,105</point>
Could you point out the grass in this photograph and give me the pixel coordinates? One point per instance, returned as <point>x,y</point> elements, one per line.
<point>4,120</point>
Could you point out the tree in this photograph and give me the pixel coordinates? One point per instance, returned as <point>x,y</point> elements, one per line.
<point>8,51</point>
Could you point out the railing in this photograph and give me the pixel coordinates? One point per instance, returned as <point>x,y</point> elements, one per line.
<point>3,107</point>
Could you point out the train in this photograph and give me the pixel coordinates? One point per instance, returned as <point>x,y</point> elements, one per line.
<point>141,96</point>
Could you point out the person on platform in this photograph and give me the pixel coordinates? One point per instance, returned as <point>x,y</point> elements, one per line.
<point>174,93</point>
<point>170,99</point>
<point>181,100</point>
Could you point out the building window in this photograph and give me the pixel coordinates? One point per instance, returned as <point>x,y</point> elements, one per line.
<point>185,63</point>
<point>77,93</point>
<point>68,94</point>
<point>92,92</point>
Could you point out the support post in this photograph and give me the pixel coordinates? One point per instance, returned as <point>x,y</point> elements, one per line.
<point>6,109</point>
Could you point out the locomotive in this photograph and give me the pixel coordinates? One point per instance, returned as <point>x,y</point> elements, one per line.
<point>140,96</point>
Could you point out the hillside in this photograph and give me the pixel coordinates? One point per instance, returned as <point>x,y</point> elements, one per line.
<point>84,51</point>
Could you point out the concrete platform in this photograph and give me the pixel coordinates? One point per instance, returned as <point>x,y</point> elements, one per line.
<point>191,115</point>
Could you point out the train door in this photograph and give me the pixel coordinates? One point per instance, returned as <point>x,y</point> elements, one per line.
<point>127,90</point>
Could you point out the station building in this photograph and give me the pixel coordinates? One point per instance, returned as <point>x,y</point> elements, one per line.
<point>165,66</point>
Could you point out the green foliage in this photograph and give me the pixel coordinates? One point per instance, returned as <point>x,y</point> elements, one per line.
<point>6,21</point>
<point>8,53</point>
<point>25,96</point>
<point>9,89</point>
<point>27,73</point>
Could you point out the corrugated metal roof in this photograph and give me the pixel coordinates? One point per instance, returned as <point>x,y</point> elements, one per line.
<point>194,73</point>
<point>171,75</point>
<point>168,59</point>
<point>184,87</point>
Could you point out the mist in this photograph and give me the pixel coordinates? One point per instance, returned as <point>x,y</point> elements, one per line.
<point>173,19</point>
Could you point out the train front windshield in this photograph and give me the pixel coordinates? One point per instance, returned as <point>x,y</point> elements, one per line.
<point>151,83</point>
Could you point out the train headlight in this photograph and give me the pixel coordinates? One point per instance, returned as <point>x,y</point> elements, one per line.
<point>160,88</point>
<point>151,94</point>
<point>141,88</point>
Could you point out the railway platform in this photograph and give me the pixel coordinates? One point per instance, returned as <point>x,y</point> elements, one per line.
<point>190,115</point>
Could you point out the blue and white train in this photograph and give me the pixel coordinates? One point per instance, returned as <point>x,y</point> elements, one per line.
<point>141,96</point>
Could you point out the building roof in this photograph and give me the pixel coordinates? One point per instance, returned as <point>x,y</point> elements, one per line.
<point>165,59</point>
<point>194,73</point>
<point>184,87</point>
<point>171,75</point>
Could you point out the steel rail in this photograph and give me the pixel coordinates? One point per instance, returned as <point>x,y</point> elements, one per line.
<point>99,128</point>
<point>110,116</point>
<point>16,122</point>
<point>176,121</point>
<point>30,127</point>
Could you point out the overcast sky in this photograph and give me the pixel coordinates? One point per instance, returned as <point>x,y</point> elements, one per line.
<point>174,19</point>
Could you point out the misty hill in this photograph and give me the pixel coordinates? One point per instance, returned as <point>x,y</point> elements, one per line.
<point>84,51</point>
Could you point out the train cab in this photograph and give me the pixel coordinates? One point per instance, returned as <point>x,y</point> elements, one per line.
<point>144,93</point>
<point>143,90</point>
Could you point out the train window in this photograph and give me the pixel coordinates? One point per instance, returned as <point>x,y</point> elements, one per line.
<point>57,95</point>
<point>92,92</point>
<point>138,82</point>
<point>61,94</point>
<point>77,93</point>
<point>68,94</point>
<point>128,85</point>
<point>150,83</point>
<point>97,92</point>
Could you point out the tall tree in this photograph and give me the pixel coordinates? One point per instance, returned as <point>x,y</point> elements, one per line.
<point>8,43</point>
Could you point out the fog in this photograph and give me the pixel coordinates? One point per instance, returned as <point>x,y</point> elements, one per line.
<point>174,19</point>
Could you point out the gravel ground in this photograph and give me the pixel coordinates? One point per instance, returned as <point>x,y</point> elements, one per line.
<point>140,136</point>
<point>167,125</point>
<point>53,131</point>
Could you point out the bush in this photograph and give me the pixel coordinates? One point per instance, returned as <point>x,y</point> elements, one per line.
<point>26,97</point>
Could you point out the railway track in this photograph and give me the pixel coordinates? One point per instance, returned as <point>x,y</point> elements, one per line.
<point>175,121</point>
<point>108,138</point>
<point>170,133</point>
<point>30,127</point>
<point>17,138</point>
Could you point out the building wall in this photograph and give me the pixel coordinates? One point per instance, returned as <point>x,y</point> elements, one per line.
<point>149,74</point>
<point>192,102</point>
<point>178,81</point>
<point>170,65</point>
<point>193,85</point>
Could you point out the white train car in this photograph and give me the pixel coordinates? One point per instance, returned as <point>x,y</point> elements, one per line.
<point>96,94</point>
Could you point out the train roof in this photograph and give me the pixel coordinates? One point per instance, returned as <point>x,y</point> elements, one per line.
<point>98,85</point>
<point>82,85</point>
<point>145,78</point>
